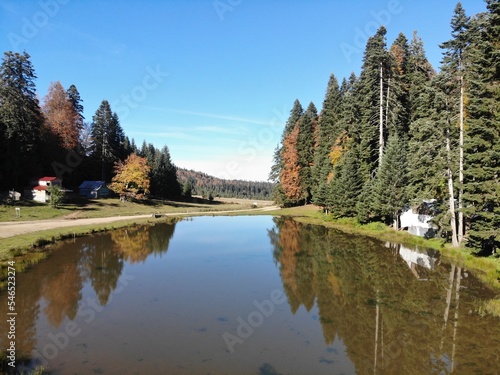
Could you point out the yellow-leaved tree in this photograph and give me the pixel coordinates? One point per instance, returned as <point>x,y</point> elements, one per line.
<point>132,177</point>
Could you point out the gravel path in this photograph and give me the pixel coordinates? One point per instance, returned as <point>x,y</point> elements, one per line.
<point>16,228</point>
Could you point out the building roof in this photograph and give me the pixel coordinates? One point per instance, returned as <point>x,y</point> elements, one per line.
<point>40,187</point>
<point>92,185</point>
<point>48,179</point>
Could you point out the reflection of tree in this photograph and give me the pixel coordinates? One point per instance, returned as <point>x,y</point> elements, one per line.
<point>131,243</point>
<point>62,293</point>
<point>136,244</point>
<point>390,321</point>
<point>102,265</point>
<point>160,236</point>
<point>59,279</point>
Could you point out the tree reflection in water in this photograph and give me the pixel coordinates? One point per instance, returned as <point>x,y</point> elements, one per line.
<point>57,283</point>
<point>395,315</point>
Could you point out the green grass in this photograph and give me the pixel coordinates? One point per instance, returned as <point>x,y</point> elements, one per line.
<point>95,208</point>
<point>31,210</point>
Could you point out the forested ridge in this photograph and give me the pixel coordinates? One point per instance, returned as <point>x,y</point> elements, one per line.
<point>402,133</point>
<point>206,185</point>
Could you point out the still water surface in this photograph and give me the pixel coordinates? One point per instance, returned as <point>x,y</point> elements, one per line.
<point>250,295</point>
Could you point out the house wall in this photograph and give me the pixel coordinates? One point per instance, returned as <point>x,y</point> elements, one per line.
<point>417,224</point>
<point>40,196</point>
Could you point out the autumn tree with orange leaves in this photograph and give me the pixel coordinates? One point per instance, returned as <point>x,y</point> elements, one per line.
<point>132,177</point>
<point>290,176</point>
<point>61,119</point>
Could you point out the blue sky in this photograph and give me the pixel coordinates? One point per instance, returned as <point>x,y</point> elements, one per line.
<point>212,79</point>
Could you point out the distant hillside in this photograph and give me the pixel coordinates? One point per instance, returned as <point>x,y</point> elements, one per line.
<point>203,184</point>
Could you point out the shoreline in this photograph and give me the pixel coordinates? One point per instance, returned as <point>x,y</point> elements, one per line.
<point>27,240</point>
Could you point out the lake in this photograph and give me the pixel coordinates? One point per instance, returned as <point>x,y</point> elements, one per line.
<point>249,295</point>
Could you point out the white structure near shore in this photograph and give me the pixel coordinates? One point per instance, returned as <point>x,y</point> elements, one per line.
<point>417,220</point>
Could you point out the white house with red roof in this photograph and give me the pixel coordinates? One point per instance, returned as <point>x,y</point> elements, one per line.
<point>40,193</point>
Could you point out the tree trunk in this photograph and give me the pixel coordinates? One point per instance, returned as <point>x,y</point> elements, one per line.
<point>454,240</point>
<point>387,102</point>
<point>395,223</point>
<point>381,124</point>
<point>461,167</point>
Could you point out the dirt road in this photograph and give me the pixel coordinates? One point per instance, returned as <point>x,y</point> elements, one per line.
<point>16,228</point>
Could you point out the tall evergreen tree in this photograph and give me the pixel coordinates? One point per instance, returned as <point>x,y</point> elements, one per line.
<point>20,120</point>
<point>346,186</point>
<point>274,174</point>
<point>295,115</point>
<point>482,141</point>
<point>329,131</point>
<point>445,108</point>
<point>164,182</point>
<point>107,139</point>
<point>454,63</point>
<point>426,157</point>
<point>397,90</point>
<point>390,186</point>
<point>370,93</point>
<point>306,148</point>
<point>76,102</point>
<point>280,167</point>
<point>420,74</point>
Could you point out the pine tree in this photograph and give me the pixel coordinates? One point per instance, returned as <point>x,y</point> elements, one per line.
<point>445,109</point>
<point>454,63</point>
<point>306,148</point>
<point>164,175</point>
<point>279,168</point>
<point>274,174</point>
<point>187,189</point>
<point>329,129</point>
<point>20,120</point>
<point>295,115</point>
<point>420,74</point>
<point>391,183</point>
<point>370,93</point>
<point>346,187</point>
<point>397,90</point>
<point>76,102</point>
<point>482,141</point>
<point>107,138</point>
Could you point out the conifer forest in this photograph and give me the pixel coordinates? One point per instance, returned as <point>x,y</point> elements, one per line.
<point>402,134</point>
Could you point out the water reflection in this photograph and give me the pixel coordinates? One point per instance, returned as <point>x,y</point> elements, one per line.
<point>397,310</point>
<point>354,305</point>
<point>55,285</point>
